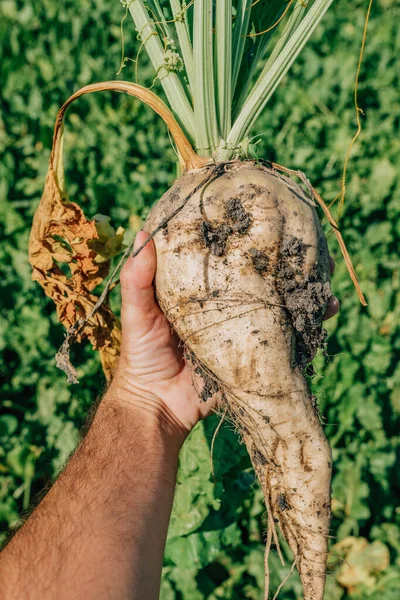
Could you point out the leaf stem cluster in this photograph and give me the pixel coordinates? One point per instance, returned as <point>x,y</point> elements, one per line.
<point>220,61</point>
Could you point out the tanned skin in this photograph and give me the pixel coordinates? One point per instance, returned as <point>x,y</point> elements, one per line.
<point>100,531</point>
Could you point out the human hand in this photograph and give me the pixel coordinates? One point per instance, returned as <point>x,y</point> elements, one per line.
<point>152,368</point>
<point>152,365</point>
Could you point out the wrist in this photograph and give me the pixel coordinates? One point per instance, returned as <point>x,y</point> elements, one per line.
<point>140,406</point>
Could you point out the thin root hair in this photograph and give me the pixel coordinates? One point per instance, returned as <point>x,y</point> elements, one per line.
<point>288,576</point>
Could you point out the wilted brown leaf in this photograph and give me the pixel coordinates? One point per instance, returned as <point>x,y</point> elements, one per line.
<point>62,235</point>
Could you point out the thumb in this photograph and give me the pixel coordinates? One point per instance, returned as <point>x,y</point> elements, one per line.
<point>136,282</point>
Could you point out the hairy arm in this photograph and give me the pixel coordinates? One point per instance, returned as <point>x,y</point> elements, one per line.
<point>100,531</point>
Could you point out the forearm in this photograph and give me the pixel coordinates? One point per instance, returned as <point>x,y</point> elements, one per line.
<point>100,531</point>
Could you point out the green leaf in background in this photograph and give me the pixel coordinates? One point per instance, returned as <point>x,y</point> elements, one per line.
<point>8,424</point>
<point>118,162</point>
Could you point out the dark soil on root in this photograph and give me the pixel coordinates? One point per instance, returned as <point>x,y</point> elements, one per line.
<point>282,503</point>
<point>210,386</point>
<point>238,222</point>
<point>261,262</point>
<point>215,237</point>
<point>305,299</point>
<point>258,458</point>
<point>238,216</point>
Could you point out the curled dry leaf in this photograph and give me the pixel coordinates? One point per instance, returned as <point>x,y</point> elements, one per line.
<point>65,265</point>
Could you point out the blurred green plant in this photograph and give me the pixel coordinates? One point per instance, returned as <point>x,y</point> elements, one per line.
<point>119,162</point>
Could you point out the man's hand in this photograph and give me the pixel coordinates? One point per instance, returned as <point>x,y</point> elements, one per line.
<point>152,368</point>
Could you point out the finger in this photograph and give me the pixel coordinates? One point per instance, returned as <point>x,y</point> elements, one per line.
<point>332,308</point>
<point>331,265</point>
<point>136,281</point>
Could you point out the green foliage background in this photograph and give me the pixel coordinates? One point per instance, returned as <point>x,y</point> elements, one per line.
<point>119,162</point>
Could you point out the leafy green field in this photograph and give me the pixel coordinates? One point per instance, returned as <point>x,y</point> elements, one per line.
<point>119,161</point>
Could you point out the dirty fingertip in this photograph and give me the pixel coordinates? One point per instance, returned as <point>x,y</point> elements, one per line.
<point>332,308</point>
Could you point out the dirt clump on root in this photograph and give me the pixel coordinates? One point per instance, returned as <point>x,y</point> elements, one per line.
<point>239,221</point>
<point>305,299</point>
<point>261,262</point>
<point>282,503</point>
<point>258,458</point>
<point>210,386</point>
<point>215,237</point>
<point>236,213</point>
